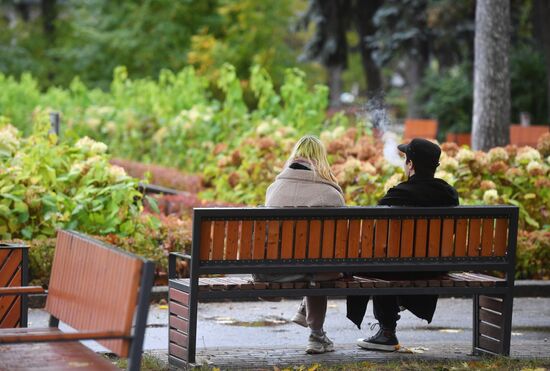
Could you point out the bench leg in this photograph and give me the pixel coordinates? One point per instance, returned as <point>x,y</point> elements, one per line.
<point>492,325</point>
<point>182,328</point>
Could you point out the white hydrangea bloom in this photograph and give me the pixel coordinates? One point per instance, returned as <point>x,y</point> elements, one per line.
<point>99,147</point>
<point>448,163</point>
<point>497,154</point>
<point>116,173</point>
<point>465,155</point>
<point>9,139</point>
<point>446,176</point>
<point>91,146</point>
<point>527,155</point>
<point>536,168</point>
<point>490,196</point>
<point>263,129</point>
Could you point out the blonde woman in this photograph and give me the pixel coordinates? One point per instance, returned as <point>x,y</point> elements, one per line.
<point>307,180</point>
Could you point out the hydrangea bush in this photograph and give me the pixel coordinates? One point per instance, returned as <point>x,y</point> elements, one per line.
<point>510,175</point>
<point>45,185</point>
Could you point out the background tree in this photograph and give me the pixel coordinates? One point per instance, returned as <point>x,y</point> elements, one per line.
<point>541,15</point>
<point>491,112</point>
<point>328,44</point>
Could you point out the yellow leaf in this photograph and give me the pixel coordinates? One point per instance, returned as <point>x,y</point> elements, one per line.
<point>529,196</point>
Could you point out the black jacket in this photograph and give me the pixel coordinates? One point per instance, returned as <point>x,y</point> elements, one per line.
<point>417,191</point>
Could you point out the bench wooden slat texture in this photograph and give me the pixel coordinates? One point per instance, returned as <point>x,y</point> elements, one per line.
<point>353,238</point>
<point>53,356</point>
<point>314,244</point>
<point>367,236</point>
<point>82,303</point>
<point>13,266</point>
<point>357,240</point>
<point>231,283</point>
<point>98,291</point>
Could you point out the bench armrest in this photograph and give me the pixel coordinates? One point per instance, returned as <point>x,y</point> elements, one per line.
<point>21,290</point>
<point>172,262</point>
<point>46,336</point>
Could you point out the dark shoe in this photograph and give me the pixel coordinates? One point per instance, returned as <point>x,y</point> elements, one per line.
<point>383,340</point>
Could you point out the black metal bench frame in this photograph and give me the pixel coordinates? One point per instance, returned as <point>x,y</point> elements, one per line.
<point>188,293</point>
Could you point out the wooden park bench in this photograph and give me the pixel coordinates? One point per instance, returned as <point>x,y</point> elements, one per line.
<point>14,268</point>
<point>527,135</point>
<point>420,128</point>
<point>360,240</point>
<point>99,291</point>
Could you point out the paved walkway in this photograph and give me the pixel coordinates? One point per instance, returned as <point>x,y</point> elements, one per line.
<point>258,334</point>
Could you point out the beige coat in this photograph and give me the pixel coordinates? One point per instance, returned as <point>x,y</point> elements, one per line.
<point>294,187</point>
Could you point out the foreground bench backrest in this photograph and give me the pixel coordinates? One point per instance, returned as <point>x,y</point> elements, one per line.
<point>98,290</point>
<point>354,240</point>
<point>13,273</point>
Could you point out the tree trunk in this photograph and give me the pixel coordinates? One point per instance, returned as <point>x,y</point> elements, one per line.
<point>364,12</point>
<point>541,15</point>
<point>491,116</point>
<point>414,74</point>
<point>335,85</point>
<point>49,15</point>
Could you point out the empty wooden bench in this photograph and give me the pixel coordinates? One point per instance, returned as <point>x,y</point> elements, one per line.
<point>98,290</point>
<point>465,241</point>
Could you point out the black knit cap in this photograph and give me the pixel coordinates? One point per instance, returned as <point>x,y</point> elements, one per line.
<point>422,152</point>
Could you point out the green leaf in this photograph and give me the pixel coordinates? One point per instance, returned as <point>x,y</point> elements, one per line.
<point>153,204</point>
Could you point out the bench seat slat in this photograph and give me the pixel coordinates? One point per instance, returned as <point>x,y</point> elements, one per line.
<point>366,281</point>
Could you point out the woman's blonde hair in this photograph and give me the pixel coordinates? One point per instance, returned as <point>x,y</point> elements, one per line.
<point>311,149</point>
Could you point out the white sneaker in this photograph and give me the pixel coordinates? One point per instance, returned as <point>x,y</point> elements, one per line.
<point>300,319</point>
<point>319,344</point>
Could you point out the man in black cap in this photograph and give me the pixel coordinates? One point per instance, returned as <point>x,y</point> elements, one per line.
<point>420,189</point>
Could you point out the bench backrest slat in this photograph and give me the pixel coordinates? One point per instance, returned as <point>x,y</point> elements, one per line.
<point>273,229</point>
<point>421,239</point>
<point>474,237</point>
<point>447,237</point>
<point>232,239</point>
<point>407,238</point>
<point>487,237</point>
<point>94,287</point>
<point>314,245</point>
<point>382,236</point>
<point>354,238</point>
<point>367,238</point>
<point>501,236</point>
<point>434,238</point>
<point>245,251</point>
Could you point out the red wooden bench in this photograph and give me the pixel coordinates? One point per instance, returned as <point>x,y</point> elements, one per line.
<point>98,290</point>
<point>466,241</point>
<point>420,128</point>
<point>527,135</point>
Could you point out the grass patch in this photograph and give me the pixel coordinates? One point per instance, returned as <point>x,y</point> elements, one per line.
<point>148,363</point>
<point>497,363</point>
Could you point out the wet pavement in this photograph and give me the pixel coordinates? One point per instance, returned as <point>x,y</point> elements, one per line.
<point>263,328</point>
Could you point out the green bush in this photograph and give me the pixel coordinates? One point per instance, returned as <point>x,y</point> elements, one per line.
<point>533,255</point>
<point>45,186</point>
<point>448,97</point>
<point>174,121</point>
